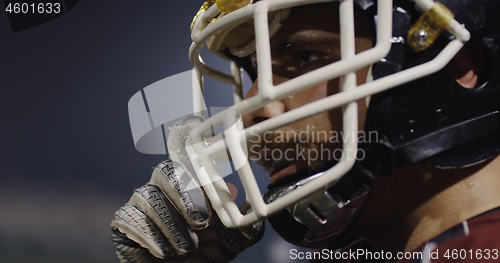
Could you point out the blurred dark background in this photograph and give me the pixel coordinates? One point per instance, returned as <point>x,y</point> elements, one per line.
<point>67,156</point>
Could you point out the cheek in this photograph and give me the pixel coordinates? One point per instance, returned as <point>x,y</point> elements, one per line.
<point>318,122</point>
<point>330,120</point>
<point>335,115</point>
<point>310,95</point>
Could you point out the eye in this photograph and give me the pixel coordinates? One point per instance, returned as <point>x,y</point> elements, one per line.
<point>307,57</point>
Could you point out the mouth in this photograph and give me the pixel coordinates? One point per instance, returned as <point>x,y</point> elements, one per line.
<point>294,167</point>
<point>288,169</point>
<point>282,167</point>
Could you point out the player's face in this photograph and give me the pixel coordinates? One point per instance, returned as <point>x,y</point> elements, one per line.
<point>308,39</point>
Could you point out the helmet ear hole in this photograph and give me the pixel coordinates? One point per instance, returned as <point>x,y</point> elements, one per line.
<point>468,66</point>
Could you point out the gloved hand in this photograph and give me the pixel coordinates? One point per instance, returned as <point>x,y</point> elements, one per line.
<point>166,222</point>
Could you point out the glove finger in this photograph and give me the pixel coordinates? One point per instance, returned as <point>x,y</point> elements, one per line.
<point>151,200</point>
<point>221,244</point>
<point>133,231</point>
<point>183,192</point>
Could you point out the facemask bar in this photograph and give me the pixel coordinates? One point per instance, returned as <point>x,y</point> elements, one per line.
<point>236,136</point>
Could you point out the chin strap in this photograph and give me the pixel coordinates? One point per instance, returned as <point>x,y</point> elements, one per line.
<point>326,216</point>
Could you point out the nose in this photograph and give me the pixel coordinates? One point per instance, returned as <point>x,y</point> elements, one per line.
<point>269,110</point>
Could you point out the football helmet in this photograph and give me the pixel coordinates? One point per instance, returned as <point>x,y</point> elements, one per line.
<point>421,114</point>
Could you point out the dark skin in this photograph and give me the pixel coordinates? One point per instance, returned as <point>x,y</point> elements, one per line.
<point>415,203</point>
<point>301,47</point>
